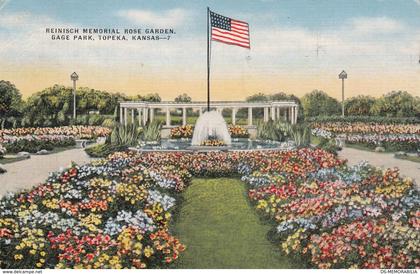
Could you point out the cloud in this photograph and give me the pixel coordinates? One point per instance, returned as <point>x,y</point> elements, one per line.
<point>417,2</point>
<point>366,25</point>
<point>170,18</point>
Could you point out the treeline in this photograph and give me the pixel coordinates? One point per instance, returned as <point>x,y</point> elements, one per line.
<point>318,104</point>
<point>53,106</point>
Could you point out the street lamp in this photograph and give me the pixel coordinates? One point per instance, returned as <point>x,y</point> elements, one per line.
<point>342,76</point>
<point>74,77</point>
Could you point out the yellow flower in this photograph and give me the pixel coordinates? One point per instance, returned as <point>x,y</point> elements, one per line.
<point>148,252</point>
<point>32,252</point>
<point>18,257</point>
<point>43,253</point>
<point>38,265</point>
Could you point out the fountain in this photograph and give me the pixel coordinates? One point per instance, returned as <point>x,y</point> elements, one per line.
<point>210,125</point>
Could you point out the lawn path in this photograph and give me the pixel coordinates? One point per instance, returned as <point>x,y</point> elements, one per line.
<point>383,160</point>
<point>28,173</point>
<point>221,230</point>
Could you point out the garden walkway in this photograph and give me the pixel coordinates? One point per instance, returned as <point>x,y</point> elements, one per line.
<point>27,173</point>
<point>384,160</point>
<point>221,230</point>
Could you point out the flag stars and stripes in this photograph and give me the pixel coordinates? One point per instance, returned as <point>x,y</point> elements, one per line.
<point>229,31</point>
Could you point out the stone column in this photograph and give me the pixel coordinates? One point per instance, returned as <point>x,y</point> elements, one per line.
<point>125,116</point>
<point>285,114</point>
<point>168,117</point>
<point>121,115</point>
<point>249,116</point>
<point>132,116</point>
<point>290,114</point>
<point>265,114</point>
<point>139,113</point>
<point>145,116</point>
<point>234,110</point>
<point>296,113</point>
<point>273,114</point>
<point>184,116</point>
<point>152,114</point>
<point>200,111</point>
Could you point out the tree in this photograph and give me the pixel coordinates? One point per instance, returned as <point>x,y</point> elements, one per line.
<point>152,97</point>
<point>259,97</point>
<point>10,103</point>
<point>318,103</point>
<point>360,105</point>
<point>183,98</point>
<point>54,105</point>
<point>397,104</point>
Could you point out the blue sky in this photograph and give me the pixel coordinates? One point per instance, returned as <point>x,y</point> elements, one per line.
<point>296,46</point>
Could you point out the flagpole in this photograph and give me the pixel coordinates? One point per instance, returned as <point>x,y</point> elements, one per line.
<point>208,60</point>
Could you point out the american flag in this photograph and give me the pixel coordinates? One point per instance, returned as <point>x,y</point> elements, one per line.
<point>229,31</point>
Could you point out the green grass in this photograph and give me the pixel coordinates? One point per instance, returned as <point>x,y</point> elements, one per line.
<point>361,147</point>
<point>221,230</point>
<point>6,160</point>
<point>415,159</point>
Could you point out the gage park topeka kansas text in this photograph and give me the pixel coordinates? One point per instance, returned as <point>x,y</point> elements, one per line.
<point>109,34</point>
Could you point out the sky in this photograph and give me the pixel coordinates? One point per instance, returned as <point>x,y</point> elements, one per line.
<point>296,46</point>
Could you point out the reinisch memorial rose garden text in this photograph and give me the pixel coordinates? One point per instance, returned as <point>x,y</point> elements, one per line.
<point>114,34</point>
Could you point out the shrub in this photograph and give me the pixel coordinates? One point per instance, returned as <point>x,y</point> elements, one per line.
<point>125,135</point>
<point>96,120</point>
<point>319,103</point>
<point>329,145</point>
<point>300,134</point>
<point>109,122</point>
<point>272,130</point>
<point>151,132</point>
<point>103,150</point>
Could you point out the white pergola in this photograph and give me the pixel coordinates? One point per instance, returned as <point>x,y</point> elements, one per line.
<point>144,111</point>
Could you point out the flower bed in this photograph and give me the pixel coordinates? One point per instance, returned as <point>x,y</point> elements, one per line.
<point>35,139</point>
<point>34,143</point>
<point>213,143</point>
<point>186,131</point>
<point>344,217</point>
<point>367,128</point>
<point>107,214</point>
<point>236,131</point>
<point>393,137</point>
<point>115,213</point>
<point>79,132</point>
<point>182,132</point>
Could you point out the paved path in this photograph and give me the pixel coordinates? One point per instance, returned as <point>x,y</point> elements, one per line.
<point>27,173</point>
<point>383,160</point>
<point>221,230</point>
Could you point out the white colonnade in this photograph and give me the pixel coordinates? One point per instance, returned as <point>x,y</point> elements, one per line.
<point>145,111</point>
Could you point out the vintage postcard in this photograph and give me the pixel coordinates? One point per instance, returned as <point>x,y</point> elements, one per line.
<point>252,134</point>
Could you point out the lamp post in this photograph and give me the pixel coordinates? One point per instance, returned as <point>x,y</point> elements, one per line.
<point>74,77</point>
<point>342,76</point>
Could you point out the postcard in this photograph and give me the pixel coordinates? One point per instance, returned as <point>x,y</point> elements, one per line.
<point>212,135</point>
